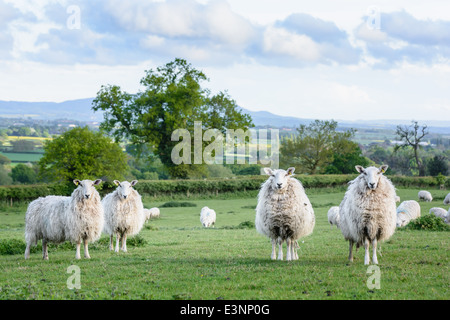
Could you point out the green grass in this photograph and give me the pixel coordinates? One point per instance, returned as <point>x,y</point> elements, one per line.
<point>177,258</point>
<point>22,157</point>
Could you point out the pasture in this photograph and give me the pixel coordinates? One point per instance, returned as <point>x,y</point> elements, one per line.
<point>174,257</point>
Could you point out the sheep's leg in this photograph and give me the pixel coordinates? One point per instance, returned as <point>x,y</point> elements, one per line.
<point>350,250</point>
<point>117,242</point>
<point>86,251</point>
<point>77,254</point>
<point>111,248</point>
<point>295,246</point>
<point>374,248</point>
<point>288,249</point>
<point>124,243</point>
<point>280,249</point>
<point>44,249</point>
<point>27,251</point>
<point>273,256</point>
<point>366,249</point>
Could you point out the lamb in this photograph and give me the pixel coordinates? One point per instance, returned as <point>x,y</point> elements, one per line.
<point>407,211</point>
<point>284,212</point>
<point>425,195</point>
<point>439,212</point>
<point>207,217</point>
<point>367,212</point>
<point>124,213</point>
<point>333,216</point>
<point>152,213</point>
<point>57,219</point>
<point>447,199</point>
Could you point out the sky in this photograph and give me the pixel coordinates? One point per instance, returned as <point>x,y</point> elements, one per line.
<point>324,59</point>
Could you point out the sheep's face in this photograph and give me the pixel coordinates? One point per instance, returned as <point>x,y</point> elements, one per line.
<point>279,178</point>
<point>87,186</point>
<point>372,175</point>
<point>124,188</point>
<point>402,219</point>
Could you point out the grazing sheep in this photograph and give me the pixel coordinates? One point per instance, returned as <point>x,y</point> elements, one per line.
<point>284,212</point>
<point>152,213</point>
<point>397,199</point>
<point>124,213</point>
<point>425,195</point>
<point>407,211</point>
<point>367,212</point>
<point>333,216</point>
<point>447,199</point>
<point>439,212</point>
<point>447,220</point>
<point>207,217</point>
<point>57,219</point>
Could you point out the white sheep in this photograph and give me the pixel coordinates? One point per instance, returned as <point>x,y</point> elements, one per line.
<point>367,212</point>
<point>333,216</point>
<point>152,213</point>
<point>407,211</point>
<point>124,213</point>
<point>57,219</point>
<point>447,220</point>
<point>439,212</point>
<point>284,212</point>
<point>425,195</point>
<point>447,199</point>
<point>397,199</point>
<point>207,217</point>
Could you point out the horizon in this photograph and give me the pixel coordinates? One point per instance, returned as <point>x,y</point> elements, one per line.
<point>322,60</point>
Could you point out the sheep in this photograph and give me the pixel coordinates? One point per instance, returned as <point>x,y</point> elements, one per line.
<point>397,199</point>
<point>407,211</point>
<point>447,219</point>
<point>124,213</point>
<point>425,195</point>
<point>58,218</point>
<point>284,212</point>
<point>152,213</point>
<point>333,216</point>
<point>447,199</point>
<point>207,217</point>
<point>367,212</point>
<point>439,212</point>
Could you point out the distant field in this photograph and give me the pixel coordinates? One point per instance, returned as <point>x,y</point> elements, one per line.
<point>179,259</point>
<point>22,157</point>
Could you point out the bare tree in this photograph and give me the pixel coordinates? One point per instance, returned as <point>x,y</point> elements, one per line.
<point>412,136</point>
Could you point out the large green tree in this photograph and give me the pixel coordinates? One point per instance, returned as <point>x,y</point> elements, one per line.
<point>81,153</point>
<point>312,150</point>
<point>173,98</point>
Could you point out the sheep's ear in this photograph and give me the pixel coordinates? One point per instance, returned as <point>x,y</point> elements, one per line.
<point>268,171</point>
<point>384,168</point>
<point>98,181</point>
<point>133,182</point>
<point>116,182</point>
<point>360,169</point>
<point>290,171</point>
<point>77,182</point>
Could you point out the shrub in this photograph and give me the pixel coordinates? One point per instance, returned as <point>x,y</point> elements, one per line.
<point>428,222</point>
<point>172,204</point>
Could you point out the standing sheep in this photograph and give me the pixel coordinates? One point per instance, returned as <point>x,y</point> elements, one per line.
<point>425,195</point>
<point>447,199</point>
<point>367,212</point>
<point>57,219</point>
<point>284,212</point>
<point>124,213</point>
<point>333,216</point>
<point>407,211</point>
<point>207,217</point>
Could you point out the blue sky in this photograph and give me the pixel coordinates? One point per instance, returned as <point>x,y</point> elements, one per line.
<point>344,60</point>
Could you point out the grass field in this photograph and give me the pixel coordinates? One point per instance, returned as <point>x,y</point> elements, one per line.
<point>182,260</point>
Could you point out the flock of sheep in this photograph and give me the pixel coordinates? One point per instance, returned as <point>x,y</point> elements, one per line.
<point>367,214</point>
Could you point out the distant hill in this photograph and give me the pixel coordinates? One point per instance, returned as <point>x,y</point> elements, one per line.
<point>81,110</point>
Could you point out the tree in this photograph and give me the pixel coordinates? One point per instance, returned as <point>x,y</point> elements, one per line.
<point>312,149</point>
<point>23,174</point>
<point>82,154</point>
<point>173,98</point>
<point>346,156</point>
<point>412,136</point>
<point>438,165</point>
